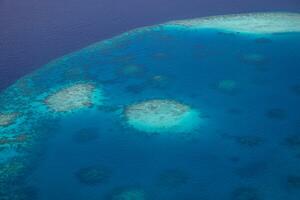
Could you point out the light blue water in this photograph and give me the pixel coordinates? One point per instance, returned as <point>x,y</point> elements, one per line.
<point>239,152</point>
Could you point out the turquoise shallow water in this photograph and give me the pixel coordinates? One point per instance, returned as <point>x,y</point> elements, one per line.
<point>246,147</point>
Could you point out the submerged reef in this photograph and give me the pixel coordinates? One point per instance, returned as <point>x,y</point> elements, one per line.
<point>252,169</point>
<point>131,70</point>
<point>262,40</point>
<point>245,140</point>
<point>293,181</point>
<point>253,59</point>
<point>295,89</point>
<point>276,113</point>
<point>93,175</point>
<point>245,193</point>
<point>227,86</point>
<point>127,193</point>
<point>7,119</point>
<point>161,115</point>
<point>172,178</point>
<point>73,97</point>
<point>159,81</point>
<point>251,23</point>
<point>293,141</point>
<point>17,193</point>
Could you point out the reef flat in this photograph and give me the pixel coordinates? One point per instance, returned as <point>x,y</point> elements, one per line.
<point>160,116</point>
<point>252,23</point>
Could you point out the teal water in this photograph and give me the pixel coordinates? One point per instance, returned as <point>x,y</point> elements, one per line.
<point>247,146</point>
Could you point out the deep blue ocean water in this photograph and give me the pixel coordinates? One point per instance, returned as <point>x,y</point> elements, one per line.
<point>33,33</point>
<point>246,147</point>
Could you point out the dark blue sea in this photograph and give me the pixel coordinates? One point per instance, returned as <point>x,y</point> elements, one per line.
<point>57,142</point>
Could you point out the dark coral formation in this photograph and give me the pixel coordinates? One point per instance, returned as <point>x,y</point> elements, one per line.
<point>245,140</point>
<point>262,40</point>
<point>293,141</point>
<point>250,141</point>
<point>136,88</point>
<point>276,113</point>
<point>293,181</point>
<point>234,111</point>
<point>252,169</point>
<point>245,193</point>
<point>295,89</point>
<point>13,170</point>
<point>172,178</point>
<point>13,192</point>
<point>86,135</point>
<point>93,175</point>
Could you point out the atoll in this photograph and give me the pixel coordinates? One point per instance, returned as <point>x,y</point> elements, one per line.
<point>7,119</point>
<point>250,23</point>
<point>130,193</point>
<point>93,175</point>
<point>73,97</point>
<point>160,115</point>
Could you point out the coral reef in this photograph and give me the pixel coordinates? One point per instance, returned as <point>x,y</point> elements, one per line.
<point>172,178</point>
<point>86,135</point>
<point>73,97</point>
<point>93,175</point>
<point>7,119</point>
<point>160,115</point>
<point>12,170</point>
<point>251,23</point>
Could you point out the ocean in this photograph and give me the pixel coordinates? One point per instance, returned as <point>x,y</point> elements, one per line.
<point>171,111</point>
